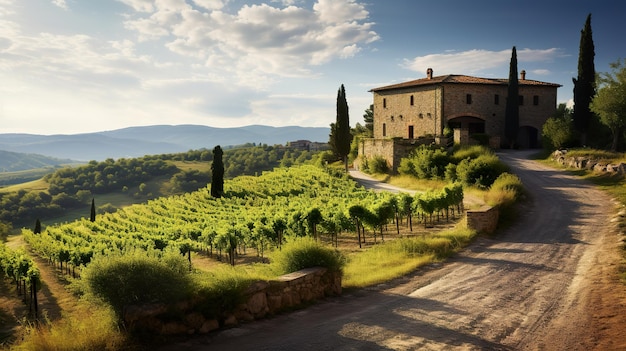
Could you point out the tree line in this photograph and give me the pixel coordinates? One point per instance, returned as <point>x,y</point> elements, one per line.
<point>73,188</point>
<point>598,116</point>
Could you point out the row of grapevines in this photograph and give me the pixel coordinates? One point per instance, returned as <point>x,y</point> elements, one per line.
<point>23,271</point>
<point>259,212</point>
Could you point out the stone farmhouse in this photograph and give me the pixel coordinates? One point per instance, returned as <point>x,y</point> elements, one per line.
<point>453,108</point>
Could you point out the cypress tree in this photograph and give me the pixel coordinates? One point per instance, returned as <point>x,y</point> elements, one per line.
<point>511,118</point>
<point>37,227</point>
<point>585,83</point>
<point>342,136</point>
<point>92,216</point>
<point>217,170</point>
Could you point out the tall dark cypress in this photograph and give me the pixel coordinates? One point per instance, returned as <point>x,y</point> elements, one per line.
<point>585,83</point>
<point>342,134</point>
<point>92,215</point>
<point>37,227</point>
<point>217,170</point>
<point>511,118</point>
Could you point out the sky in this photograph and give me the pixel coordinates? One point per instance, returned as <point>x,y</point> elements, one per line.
<point>79,66</point>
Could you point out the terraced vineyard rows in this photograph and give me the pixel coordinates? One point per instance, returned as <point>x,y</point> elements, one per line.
<point>256,211</point>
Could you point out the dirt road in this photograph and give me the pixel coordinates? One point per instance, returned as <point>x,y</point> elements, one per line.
<point>547,283</point>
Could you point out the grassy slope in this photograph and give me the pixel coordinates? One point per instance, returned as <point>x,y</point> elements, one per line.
<point>118,199</point>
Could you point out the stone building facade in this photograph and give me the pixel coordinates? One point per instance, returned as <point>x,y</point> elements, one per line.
<point>471,107</point>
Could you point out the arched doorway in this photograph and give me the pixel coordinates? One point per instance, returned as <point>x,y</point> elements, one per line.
<point>528,137</point>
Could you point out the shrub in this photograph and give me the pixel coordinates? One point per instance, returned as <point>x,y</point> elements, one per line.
<point>450,173</point>
<point>407,167</point>
<point>137,277</point>
<point>505,190</point>
<point>378,164</point>
<point>425,163</point>
<point>306,253</point>
<point>223,289</point>
<point>557,132</point>
<point>470,152</point>
<point>481,171</point>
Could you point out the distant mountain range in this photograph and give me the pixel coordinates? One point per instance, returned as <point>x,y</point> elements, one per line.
<point>150,140</point>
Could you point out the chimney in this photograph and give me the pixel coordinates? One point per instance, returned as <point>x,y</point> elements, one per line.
<point>429,73</point>
<point>522,75</point>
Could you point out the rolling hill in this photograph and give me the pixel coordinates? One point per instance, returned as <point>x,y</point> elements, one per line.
<point>150,140</point>
<point>15,162</point>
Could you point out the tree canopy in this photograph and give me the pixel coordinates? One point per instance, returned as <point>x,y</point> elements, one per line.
<point>557,132</point>
<point>368,117</point>
<point>610,101</point>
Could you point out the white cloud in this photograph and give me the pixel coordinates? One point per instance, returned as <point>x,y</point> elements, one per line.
<point>340,11</point>
<point>139,5</point>
<point>210,4</point>
<point>193,60</point>
<point>477,61</point>
<point>60,3</point>
<point>541,72</point>
<point>263,41</point>
<point>287,2</point>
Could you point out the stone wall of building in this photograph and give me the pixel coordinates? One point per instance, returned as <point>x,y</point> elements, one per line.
<point>394,111</point>
<point>262,299</point>
<point>482,104</point>
<point>392,150</point>
<point>422,107</point>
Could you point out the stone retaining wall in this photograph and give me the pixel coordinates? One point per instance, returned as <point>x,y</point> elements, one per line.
<point>262,299</point>
<point>483,220</point>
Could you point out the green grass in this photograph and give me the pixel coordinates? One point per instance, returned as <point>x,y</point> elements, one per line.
<point>412,183</point>
<point>396,258</point>
<point>39,185</point>
<point>204,166</point>
<point>96,331</point>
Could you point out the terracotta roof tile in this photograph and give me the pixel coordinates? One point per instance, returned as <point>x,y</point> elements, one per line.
<point>460,79</point>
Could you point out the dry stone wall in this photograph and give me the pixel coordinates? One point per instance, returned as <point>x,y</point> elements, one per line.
<point>561,157</point>
<point>262,299</point>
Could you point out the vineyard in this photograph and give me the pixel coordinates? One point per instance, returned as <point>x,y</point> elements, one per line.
<point>168,249</point>
<point>23,272</point>
<point>259,212</point>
